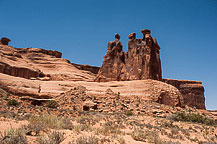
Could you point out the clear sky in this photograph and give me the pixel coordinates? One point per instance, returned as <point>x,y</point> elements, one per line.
<point>186,30</point>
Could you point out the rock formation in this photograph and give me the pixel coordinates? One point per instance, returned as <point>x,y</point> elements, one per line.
<point>141,61</point>
<point>42,74</point>
<point>113,63</point>
<point>192,92</point>
<point>36,63</point>
<point>4,41</point>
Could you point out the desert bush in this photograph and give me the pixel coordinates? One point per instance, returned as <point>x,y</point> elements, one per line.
<point>52,104</point>
<point>128,113</point>
<point>87,140</point>
<point>121,140</point>
<point>167,124</point>
<point>13,137</point>
<point>138,135</point>
<point>53,138</point>
<point>146,136</point>
<point>193,117</point>
<point>13,102</point>
<point>185,132</point>
<point>109,128</point>
<point>51,121</point>
<point>4,94</point>
<point>88,119</point>
<point>82,127</point>
<point>34,128</point>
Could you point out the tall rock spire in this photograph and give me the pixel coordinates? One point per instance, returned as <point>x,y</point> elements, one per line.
<point>141,61</point>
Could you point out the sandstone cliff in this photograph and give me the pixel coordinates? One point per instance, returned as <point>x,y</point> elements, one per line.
<point>41,73</point>
<point>36,63</point>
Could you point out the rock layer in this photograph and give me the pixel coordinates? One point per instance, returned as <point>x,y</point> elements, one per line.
<point>19,71</point>
<point>141,61</point>
<point>192,92</point>
<point>40,64</point>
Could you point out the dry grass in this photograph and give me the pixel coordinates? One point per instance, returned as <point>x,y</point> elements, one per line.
<point>34,129</point>
<point>51,121</point>
<point>146,136</point>
<point>13,137</point>
<point>53,138</point>
<point>87,140</point>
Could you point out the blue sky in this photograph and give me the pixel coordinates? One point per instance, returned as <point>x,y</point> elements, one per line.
<point>186,30</point>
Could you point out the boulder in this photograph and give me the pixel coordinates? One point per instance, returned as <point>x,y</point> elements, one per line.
<point>88,105</point>
<point>4,41</point>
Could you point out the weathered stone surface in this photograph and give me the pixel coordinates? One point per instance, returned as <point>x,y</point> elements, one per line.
<point>88,105</point>
<point>141,61</point>
<point>192,92</point>
<point>41,64</point>
<point>113,63</point>
<point>4,41</point>
<point>93,69</point>
<point>19,71</point>
<point>43,51</point>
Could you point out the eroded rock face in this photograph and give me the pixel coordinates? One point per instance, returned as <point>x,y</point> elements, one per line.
<point>40,64</point>
<point>192,92</point>
<point>113,63</point>
<point>141,61</point>
<point>19,71</point>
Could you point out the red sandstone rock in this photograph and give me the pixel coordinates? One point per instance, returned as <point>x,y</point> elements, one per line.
<point>141,61</point>
<point>35,63</point>
<point>113,63</point>
<point>192,92</point>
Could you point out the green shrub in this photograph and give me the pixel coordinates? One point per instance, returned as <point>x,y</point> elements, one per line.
<point>13,102</point>
<point>193,117</point>
<point>128,113</point>
<point>52,104</point>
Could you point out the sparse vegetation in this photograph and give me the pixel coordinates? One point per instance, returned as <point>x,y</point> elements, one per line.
<point>146,136</point>
<point>82,127</point>
<point>34,129</point>
<point>87,140</point>
<point>13,137</point>
<point>52,104</point>
<point>193,117</point>
<point>4,94</point>
<point>53,138</point>
<point>13,102</point>
<point>128,113</point>
<point>121,140</point>
<point>51,121</point>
